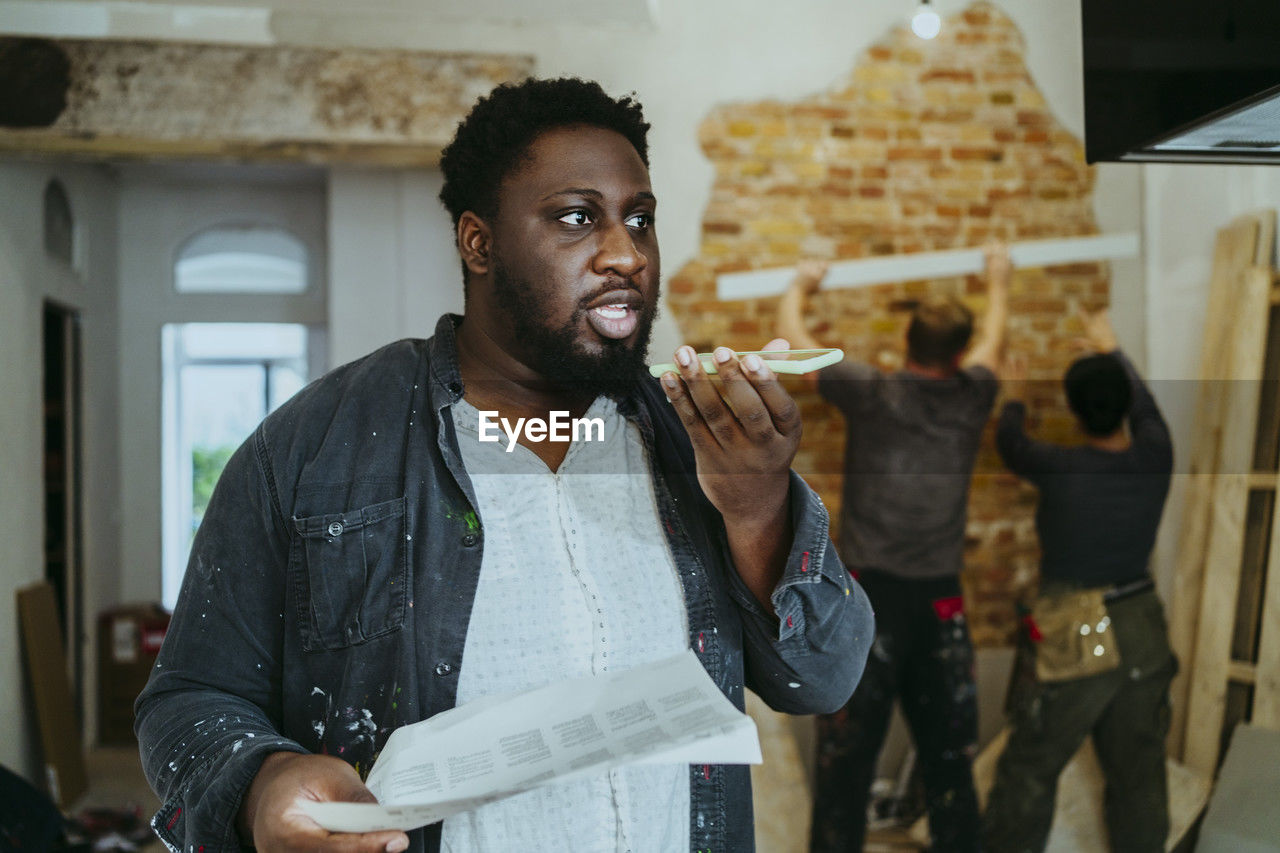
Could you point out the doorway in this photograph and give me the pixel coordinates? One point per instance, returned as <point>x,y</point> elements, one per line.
<point>63,520</point>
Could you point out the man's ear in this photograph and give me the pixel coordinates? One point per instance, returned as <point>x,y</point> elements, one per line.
<point>474,241</point>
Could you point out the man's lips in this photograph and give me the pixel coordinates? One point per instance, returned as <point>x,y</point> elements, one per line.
<point>615,314</point>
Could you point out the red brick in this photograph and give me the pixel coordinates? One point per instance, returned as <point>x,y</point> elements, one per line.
<point>915,153</point>
<point>994,155</point>
<point>955,75</point>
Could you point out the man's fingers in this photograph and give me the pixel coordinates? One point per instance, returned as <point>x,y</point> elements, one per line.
<point>678,395</point>
<point>705,397</point>
<point>300,832</point>
<point>367,842</point>
<point>782,408</point>
<point>744,396</point>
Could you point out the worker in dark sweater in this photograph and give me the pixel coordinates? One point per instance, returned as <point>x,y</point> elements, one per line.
<point>912,439</point>
<point>1102,658</point>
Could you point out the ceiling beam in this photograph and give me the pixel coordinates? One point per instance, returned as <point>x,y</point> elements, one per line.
<point>149,100</point>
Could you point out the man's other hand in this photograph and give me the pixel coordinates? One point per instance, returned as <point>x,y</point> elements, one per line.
<point>271,818</point>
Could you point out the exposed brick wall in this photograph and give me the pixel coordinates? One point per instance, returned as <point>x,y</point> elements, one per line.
<point>924,146</point>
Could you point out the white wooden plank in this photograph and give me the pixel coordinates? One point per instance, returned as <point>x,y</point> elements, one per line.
<point>918,266</point>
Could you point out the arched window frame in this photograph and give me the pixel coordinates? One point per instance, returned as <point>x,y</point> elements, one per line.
<point>308,266</point>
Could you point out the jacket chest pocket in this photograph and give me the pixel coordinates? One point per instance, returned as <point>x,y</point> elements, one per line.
<point>353,574</point>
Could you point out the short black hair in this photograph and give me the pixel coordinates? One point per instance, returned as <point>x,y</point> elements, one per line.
<point>502,125</point>
<point>1099,392</point>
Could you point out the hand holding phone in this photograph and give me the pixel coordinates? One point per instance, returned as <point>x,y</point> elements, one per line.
<point>794,361</point>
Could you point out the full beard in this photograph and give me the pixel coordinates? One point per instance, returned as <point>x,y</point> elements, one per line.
<point>558,354</point>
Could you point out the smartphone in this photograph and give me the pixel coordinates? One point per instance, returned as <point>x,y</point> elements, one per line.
<point>792,361</point>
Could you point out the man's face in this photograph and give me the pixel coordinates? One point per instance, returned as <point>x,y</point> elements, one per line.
<point>574,260</point>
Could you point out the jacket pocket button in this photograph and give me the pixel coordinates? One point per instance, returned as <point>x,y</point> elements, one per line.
<point>443,669</point>
<point>470,540</point>
<point>335,528</point>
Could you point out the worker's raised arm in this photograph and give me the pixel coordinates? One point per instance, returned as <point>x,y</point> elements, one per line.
<point>792,307</point>
<point>989,348</point>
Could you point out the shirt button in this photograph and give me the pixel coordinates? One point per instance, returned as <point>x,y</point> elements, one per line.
<point>335,528</point>
<point>443,669</point>
<point>470,540</point>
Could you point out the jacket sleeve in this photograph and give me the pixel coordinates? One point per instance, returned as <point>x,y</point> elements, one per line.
<point>210,712</point>
<point>1021,454</point>
<point>1146,425</point>
<point>809,659</point>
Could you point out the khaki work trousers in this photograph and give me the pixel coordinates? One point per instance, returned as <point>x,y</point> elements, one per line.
<point>1125,711</point>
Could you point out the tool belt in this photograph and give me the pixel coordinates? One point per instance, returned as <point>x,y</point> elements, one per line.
<point>1073,633</point>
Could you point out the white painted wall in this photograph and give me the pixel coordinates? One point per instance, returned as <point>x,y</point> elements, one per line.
<point>392,260</point>
<point>27,277</point>
<point>160,209</point>
<point>1184,206</point>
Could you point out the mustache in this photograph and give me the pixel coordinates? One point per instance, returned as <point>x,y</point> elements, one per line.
<point>614,285</point>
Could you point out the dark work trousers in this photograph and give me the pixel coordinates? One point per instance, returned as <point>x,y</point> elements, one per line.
<point>922,655</point>
<point>1126,710</point>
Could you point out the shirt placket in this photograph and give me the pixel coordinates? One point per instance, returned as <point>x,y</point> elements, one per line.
<point>572,529</point>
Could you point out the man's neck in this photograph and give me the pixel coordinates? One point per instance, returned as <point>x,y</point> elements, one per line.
<point>494,377</point>
<point>1117,442</point>
<point>929,371</point>
<point>496,381</point>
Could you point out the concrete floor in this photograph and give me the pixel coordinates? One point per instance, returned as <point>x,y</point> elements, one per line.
<point>116,782</point>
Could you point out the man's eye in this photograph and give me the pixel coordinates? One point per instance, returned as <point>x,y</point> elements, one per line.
<point>576,217</point>
<point>641,221</point>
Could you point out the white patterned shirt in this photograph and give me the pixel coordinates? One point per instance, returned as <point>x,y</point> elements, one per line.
<point>576,579</point>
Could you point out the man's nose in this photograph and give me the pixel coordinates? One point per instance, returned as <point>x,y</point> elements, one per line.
<point>618,252</point>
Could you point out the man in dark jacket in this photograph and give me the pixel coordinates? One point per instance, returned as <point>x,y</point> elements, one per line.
<point>369,558</point>
<point>1109,672</point>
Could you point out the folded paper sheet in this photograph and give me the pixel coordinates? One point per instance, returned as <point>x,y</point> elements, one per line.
<point>667,712</point>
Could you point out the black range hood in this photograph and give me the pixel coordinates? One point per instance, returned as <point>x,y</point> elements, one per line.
<point>1194,81</point>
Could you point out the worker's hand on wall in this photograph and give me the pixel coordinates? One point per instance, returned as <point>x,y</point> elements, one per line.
<point>998,266</point>
<point>1099,333</point>
<point>270,815</point>
<point>1013,377</point>
<point>809,275</point>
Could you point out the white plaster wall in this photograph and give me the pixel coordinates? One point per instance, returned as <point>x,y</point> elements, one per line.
<point>1184,206</point>
<point>27,277</point>
<point>160,208</point>
<point>391,259</point>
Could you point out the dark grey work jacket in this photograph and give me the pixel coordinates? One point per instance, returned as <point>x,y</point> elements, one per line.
<point>329,588</point>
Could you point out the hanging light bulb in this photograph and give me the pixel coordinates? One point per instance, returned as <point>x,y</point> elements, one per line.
<point>925,22</point>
